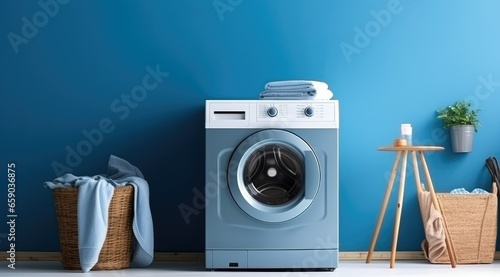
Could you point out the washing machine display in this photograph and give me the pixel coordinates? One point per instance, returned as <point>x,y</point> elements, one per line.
<point>271,184</point>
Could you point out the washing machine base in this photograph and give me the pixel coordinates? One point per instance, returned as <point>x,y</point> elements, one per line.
<point>272,259</point>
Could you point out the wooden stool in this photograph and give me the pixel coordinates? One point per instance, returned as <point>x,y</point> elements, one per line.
<point>402,152</point>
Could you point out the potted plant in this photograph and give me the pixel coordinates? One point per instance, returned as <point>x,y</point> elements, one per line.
<point>462,121</point>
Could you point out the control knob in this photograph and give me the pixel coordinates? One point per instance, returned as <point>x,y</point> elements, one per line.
<point>309,111</point>
<point>272,111</point>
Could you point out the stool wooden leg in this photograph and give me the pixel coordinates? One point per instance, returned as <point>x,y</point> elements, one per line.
<point>418,182</point>
<point>399,208</point>
<point>384,207</point>
<point>451,252</point>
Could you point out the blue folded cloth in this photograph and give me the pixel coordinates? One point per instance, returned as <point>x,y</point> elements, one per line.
<point>296,90</point>
<point>295,84</point>
<point>307,94</point>
<point>94,197</point>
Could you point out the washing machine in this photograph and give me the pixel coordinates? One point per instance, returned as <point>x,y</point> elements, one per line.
<point>271,193</point>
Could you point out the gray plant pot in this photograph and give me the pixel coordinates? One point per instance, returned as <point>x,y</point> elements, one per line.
<point>462,137</point>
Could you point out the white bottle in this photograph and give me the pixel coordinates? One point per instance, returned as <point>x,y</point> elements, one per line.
<point>406,133</point>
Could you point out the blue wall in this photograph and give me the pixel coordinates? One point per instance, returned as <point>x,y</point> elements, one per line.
<point>70,67</point>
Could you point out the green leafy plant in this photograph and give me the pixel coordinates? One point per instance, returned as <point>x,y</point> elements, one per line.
<point>459,113</point>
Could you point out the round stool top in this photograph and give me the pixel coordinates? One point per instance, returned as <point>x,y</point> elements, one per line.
<point>411,148</point>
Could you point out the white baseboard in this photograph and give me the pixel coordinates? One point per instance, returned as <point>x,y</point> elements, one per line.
<point>200,256</point>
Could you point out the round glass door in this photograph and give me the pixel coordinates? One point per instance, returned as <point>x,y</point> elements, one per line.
<point>273,175</point>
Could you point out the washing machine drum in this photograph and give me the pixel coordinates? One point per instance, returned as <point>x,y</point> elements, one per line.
<point>273,175</point>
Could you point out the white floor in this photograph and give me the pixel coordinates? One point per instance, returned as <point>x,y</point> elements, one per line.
<point>346,268</point>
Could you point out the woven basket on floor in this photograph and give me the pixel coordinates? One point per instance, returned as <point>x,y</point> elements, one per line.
<point>117,249</point>
<point>471,220</point>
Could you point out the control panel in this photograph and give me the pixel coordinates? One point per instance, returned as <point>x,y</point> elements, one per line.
<point>294,111</point>
<point>272,114</point>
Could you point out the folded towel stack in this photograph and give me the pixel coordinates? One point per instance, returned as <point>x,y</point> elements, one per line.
<point>296,90</point>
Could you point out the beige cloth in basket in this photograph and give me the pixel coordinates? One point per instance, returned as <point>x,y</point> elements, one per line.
<point>468,221</point>
<point>434,245</point>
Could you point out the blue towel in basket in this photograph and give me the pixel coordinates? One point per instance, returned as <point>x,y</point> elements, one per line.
<point>122,173</point>
<point>464,191</point>
<point>94,197</point>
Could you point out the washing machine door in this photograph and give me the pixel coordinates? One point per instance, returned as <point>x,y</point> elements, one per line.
<point>273,175</point>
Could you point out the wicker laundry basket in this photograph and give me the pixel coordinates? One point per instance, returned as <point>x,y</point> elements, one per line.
<point>117,249</point>
<point>471,222</point>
